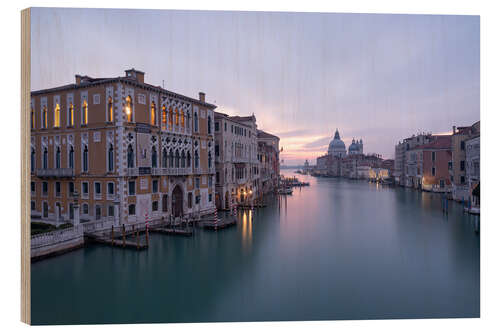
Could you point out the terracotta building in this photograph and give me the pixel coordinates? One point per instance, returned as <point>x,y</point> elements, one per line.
<point>427,165</point>
<point>122,149</point>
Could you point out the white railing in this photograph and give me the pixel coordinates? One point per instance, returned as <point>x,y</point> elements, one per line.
<point>171,171</point>
<point>132,172</point>
<point>56,236</point>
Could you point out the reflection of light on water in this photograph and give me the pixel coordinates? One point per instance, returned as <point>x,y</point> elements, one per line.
<point>247,228</point>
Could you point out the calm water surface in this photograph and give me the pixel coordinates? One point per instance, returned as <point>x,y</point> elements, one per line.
<point>338,249</point>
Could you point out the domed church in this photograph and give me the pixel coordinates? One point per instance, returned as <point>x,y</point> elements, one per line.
<point>356,147</point>
<point>337,146</point>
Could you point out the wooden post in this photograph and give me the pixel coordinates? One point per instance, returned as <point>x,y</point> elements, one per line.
<point>112,236</point>
<point>137,237</point>
<point>123,235</point>
<point>147,235</point>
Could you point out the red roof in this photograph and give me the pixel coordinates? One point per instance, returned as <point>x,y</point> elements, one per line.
<point>441,142</point>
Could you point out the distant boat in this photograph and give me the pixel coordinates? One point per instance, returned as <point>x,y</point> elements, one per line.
<point>286,190</point>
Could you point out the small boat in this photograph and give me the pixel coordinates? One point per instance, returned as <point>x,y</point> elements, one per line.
<point>285,190</point>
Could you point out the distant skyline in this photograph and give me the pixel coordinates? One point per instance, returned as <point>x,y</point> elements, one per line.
<point>379,77</point>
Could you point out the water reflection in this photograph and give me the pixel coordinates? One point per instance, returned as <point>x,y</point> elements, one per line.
<point>337,249</point>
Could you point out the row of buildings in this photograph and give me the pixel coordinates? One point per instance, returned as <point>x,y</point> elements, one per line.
<point>441,163</point>
<point>352,162</point>
<point>119,149</point>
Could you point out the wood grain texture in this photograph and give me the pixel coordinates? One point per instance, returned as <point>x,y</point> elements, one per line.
<point>25,166</point>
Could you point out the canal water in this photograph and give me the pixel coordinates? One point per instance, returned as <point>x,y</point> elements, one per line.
<point>338,249</point>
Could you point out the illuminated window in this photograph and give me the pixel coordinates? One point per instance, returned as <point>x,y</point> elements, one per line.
<point>110,109</point>
<point>164,117</point>
<point>182,118</point>
<point>44,117</point>
<point>85,113</point>
<point>176,117</point>
<point>32,118</point>
<point>153,113</point>
<point>71,115</point>
<point>57,116</point>
<point>128,108</point>
<point>171,116</point>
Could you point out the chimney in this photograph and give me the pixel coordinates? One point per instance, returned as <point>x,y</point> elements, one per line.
<point>202,97</point>
<point>78,79</point>
<point>454,129</point>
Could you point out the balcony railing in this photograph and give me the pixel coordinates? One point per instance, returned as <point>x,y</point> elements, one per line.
<point>171,171</point>
<point>56,173</point>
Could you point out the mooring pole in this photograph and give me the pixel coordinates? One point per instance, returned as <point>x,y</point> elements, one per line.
<point>147,235</point>
<point>137,237</point>
<point>112,236</point>
<point>123,235</point>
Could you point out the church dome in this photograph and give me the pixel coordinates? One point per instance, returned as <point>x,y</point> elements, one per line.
<point>337,146</point>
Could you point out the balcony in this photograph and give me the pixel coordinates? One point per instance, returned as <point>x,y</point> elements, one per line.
<point>240,159</point>
<point>55,173</point>
<point>171,171</point>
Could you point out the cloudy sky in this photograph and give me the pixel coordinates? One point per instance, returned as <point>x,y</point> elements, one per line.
<point>376,77</point>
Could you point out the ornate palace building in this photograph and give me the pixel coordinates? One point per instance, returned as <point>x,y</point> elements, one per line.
<point>121,150</point>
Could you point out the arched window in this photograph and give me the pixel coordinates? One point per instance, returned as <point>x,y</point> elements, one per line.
<point>209,159</point>
<point>85,158</point>
<point>209,125</point>
<point>182,118</point>
<point>177,158</point>
<point>176,117</point>
<point>171,117</point>
<point>57,116</point>
<point>45,158</point>
<point>164,158</point>
<point>111,158</point>
<point>164,117</point>
<point>196,159</point>
<point>44,117</point>
<point>71,158</point>
<point>153,113</point>
<point>32,118</point>
<point>110,109</point>
<point>85,112</point>
<point>183,159</point>
<point>188,159</point>
<point>128,108</point>
<point>58,158</point>
<point>85,209</point>
<point>71,115</point>
<point>195,122</point>
<point>171,159</point>
<point>33,160</point>
<point>130,157</point>
<point>131,209</point>
<point>154,158</point>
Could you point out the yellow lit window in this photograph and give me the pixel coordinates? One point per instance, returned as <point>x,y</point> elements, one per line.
<point>182,118</point>
<point>57,116</point>
<point>171,116</point>
<point>176,117</point>
<point>153,113</point>
<point>128,108</point>
<point>85,112</point>
<point>71,115</point>
<point>164,117</point>
<point>110,109</point>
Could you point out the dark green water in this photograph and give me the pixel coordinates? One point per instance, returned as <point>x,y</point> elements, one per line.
<point>338,249</point>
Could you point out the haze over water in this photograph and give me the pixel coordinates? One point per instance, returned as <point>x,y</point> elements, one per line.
<point>338,249</point>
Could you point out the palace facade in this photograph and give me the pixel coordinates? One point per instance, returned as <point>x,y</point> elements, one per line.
<point>122,150</point>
